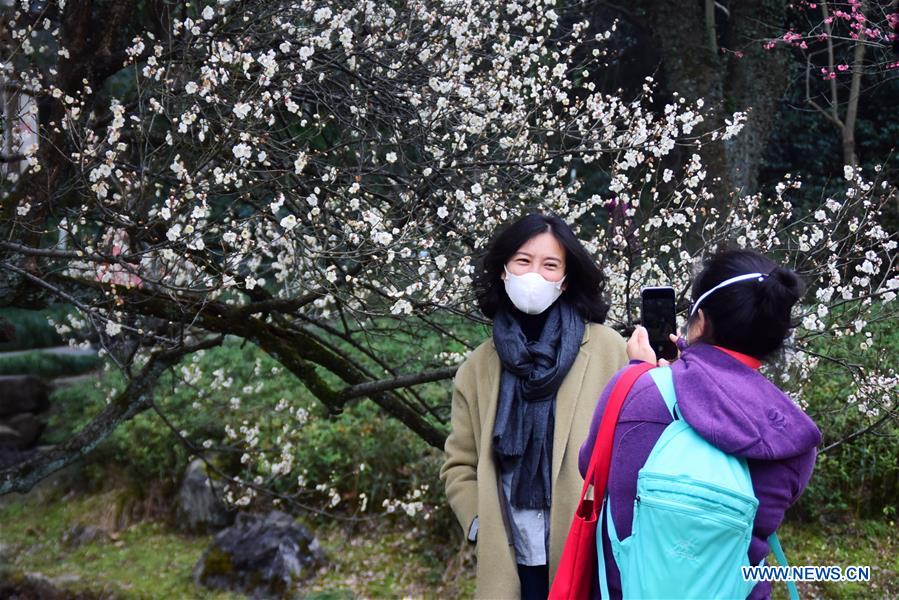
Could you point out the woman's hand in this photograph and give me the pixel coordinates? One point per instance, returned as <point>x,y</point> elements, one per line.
<point>638,347</point>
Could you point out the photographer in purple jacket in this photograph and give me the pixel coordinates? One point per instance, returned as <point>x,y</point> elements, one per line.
<point>740,316</point>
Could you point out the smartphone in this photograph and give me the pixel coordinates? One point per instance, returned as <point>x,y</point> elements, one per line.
<point>658,319</point>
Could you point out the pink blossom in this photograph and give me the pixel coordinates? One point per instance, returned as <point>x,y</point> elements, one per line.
<point>842,68</point>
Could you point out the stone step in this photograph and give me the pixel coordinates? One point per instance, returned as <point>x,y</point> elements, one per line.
<point>65,350</point>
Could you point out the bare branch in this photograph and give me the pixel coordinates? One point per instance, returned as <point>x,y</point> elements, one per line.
<point>373,387</point>
<point>859,433</point>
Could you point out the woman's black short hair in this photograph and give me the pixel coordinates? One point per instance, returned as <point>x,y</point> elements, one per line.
<point>752,316</point>
<point>584,281</point>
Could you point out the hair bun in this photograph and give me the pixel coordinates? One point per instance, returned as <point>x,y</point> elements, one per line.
<point>784,288</point>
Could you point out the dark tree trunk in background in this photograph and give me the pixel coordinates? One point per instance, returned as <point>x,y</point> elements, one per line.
<point>698,65</point>
<point>758,80</point>
<point>693,69</point>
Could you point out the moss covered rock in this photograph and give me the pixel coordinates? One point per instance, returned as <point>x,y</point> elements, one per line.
<point>263,556</point>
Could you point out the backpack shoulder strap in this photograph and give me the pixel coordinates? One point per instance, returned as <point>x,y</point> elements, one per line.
<point>601,551</point>
<point>665,382</point>
<point>777,549</point>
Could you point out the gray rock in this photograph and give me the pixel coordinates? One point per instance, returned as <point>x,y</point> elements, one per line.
<point>22,394</point>
<point>7,552</point>
<point>10,438</point>
<point>27,426</point>
<point>7,329</point>
<point>199,508</point>
<point>82,534</point>
<point>261,556</point>
<point>37,586</point>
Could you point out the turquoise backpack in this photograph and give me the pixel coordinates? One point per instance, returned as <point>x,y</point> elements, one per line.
<point>693,519</point>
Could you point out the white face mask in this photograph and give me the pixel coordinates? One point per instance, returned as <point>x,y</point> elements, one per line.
<point>531,293</point>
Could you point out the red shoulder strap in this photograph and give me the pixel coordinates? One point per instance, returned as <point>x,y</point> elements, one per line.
<point>601,458</point>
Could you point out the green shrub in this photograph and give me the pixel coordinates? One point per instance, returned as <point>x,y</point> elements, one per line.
<point>360,456</point>
<point>33,329</point>
<point>48,364</point>
<point>144,447</point>
<point>861,476</point>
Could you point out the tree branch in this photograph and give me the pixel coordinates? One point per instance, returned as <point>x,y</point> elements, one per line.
<point>710,27</point>
<point>384,385</point>
<point>858,56</point>
<point>858,433</point>
<point>831,63</point>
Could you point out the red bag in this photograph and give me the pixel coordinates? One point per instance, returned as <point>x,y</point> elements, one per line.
<point>577,567</point>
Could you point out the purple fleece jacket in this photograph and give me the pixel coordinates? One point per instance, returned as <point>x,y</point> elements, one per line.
<point>734,408</point>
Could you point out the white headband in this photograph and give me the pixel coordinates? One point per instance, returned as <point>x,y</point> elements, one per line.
<point>726,282</point>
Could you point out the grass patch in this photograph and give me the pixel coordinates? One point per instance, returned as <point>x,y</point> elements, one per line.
<point>389,559</point>
<point>48,364</point>
<point>382,558</point>
<point>143,561</point>
<point>853,543</point>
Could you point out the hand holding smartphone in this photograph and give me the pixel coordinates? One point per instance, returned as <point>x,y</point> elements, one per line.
<point>659,320</point>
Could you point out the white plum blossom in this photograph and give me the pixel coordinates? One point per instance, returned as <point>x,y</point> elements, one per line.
<point>300,163</point>
<point>288,222</point>
<point>241,151</point>
<point>322,14</point>
<point>241,109</point>
<point>112,328</point>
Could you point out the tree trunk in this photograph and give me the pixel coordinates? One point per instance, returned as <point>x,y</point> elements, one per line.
<point>693,70</point>
<point>755,80</point>
<point>850,158</point>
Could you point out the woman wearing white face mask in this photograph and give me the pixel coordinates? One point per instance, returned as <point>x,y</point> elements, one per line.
<point>522,403</point>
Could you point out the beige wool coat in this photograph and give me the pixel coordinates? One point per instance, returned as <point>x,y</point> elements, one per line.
<point>470,471</point>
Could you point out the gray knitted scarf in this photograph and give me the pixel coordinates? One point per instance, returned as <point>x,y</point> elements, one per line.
<point>531,376</point>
